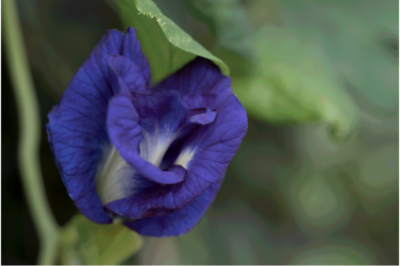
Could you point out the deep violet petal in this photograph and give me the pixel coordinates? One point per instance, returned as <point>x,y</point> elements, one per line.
<point>123,69</point>
<point>76,128</point>
<point>204,118</point>
<point>131,49</point>
<point>178,222</point>
<point>196,101</point>
<point>199,77</point>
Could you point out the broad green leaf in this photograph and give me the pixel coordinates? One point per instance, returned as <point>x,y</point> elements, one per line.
<point>292,81</point>
<point>85,242</point>
<point>166,46</point>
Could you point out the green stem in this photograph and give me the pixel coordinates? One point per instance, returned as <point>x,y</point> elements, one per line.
<point>29,121</point>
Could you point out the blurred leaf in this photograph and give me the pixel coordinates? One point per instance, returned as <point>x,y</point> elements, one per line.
<point>293,82</point>
<point>166,46</point>
<point>318,149</point>
<point>85,242</point>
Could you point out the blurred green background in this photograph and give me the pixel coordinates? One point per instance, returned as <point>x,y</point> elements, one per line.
<point>315,180</point>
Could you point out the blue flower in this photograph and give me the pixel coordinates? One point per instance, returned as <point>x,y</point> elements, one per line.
<point>155,156</point>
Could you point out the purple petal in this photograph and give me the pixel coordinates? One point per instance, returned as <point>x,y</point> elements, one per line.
<point>126,135</point>
<point>205,156</point>
<point>132,50</point>
<point>199,77</point>
<point>123,69</point>
<point>178,222</point>
<point>207,153</point>
<point>203,118</point>
<point>196,101</point>
<point>76,128</point>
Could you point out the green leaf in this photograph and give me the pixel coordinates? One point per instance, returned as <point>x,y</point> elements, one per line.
<point>166,46</point>
<point>292,81</point>
<point>85,242</point>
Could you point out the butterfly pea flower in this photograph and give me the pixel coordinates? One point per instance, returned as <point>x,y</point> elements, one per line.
<point>154,157</point>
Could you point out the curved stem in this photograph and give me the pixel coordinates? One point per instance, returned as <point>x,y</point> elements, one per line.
<point>29,139</point>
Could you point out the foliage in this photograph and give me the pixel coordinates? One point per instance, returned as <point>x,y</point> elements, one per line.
<point>292,81</point>
<point>84,242</point>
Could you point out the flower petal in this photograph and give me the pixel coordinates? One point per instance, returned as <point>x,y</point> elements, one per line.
<point>196,101</point>
<point>131,49</point>
<point>123,69</point>
<point>199,77</point>
<point>76,128</point>
<point>203,118</point>
<point>205,156</point>
<point>126,135</point>
<point>178,222</point>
